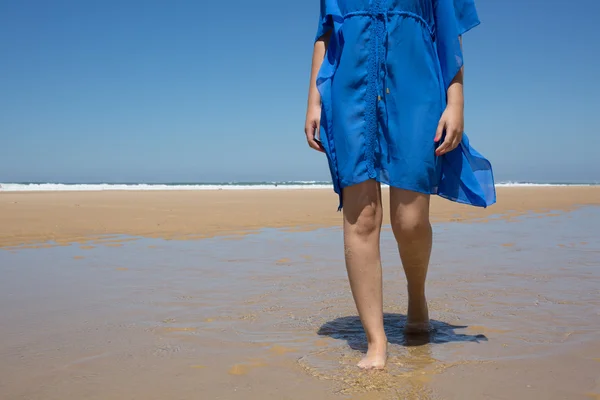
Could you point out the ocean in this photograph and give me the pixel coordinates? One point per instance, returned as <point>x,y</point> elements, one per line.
<point>53,186</point>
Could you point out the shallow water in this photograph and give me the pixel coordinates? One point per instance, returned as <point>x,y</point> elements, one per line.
<point>270,315</point>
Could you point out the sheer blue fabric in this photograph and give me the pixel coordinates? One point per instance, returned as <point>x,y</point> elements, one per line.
<point>383,86</point>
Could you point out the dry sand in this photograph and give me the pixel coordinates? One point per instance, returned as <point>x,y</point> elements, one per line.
<point>64,217</point>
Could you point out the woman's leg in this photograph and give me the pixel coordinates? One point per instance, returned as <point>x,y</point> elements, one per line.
<point>410,223</point>
<point>362,227</point>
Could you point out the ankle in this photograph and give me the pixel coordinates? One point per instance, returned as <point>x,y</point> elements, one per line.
<point>416,294</point>
<point>379,341</point>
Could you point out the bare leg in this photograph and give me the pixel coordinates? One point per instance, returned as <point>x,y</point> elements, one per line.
<point>362,227</point>
<point>412,229</point>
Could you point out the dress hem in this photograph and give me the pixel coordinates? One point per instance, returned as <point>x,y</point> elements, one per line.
<point>410,189</point>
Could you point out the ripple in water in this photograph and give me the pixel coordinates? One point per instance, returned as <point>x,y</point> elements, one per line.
<point>413,359</point>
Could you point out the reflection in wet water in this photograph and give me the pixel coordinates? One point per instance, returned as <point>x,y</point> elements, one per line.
<point>276,307</point>
<point>411,363</point>
<point>350,329</point>
<point>412,358</point>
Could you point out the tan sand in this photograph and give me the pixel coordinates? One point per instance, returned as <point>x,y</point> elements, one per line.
<point>271,316</point>
<point>65,217</point>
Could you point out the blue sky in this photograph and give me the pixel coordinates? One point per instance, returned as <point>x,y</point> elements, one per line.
<point>191,90</point>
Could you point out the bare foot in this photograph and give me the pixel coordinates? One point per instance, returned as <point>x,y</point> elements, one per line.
<point>376,357</point>
<point>417,320</point>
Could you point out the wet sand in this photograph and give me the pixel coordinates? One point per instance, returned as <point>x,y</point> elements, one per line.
<point>65,217</point>
<point>514,300</point>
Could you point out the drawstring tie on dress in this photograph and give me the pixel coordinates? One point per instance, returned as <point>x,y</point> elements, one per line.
<point>381,18</point>
<point>379,15</point>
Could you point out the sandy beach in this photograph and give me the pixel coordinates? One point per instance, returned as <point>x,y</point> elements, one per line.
<point>65,217</point>
<point>97,301</point>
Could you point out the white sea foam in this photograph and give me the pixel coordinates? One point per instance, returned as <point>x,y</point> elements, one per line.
<point>33,187</point>
<point>526,184</point>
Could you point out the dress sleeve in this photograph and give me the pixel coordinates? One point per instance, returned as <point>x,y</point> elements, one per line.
<point>466,15</point>
<point>452,19</point>
<point>467,177</point>
<point>329,10</point>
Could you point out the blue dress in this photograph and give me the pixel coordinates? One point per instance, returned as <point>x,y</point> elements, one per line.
<point>383,86</point>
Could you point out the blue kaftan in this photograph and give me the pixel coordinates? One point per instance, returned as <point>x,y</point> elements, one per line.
<point>383,89</point>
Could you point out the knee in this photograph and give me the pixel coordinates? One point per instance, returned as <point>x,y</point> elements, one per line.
<point>410,229</point>
<point>362,210</point>
<point>366,224</point>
